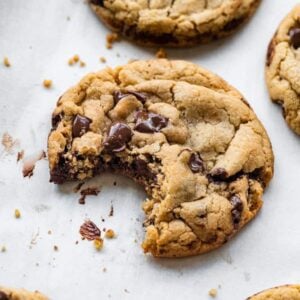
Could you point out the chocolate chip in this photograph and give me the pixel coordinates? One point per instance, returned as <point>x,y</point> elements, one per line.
<point>55,120</point>
<point>140,169</point>
<point>295,37</point>
<point>196,163</point>
<point>149,122</point>
<point>118,95</point>
<point>219,173</point>
<point>237,210</point>
<point>81,125</point>
<point>97,2</point>
<point>119,135</point>
<point>3,296</point>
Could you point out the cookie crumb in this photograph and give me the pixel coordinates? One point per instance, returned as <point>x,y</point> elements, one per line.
<point>47,83</point>
<point>55,248</point>
<point>126,291</point>
<point>102,59</point>
<point>76,58</point>
<point>161,53</point>
<point>3,249</point>
<point>110,234</point>
<point>213,293</point>
<point>17,214</point>
<point>20,155</point>
<point>7,142</point>
<point>49,232</point>
<point>104,270</point>
<point>110,39</point>
<point>71,62</point>
<point>6,62</point>
<point>98,244</point>
<point>82,64</point>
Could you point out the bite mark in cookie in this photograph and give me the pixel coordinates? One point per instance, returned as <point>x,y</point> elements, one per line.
<point>192,142</point>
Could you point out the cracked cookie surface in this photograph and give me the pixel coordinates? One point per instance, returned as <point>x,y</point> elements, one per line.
<point>174,22</point>
<point>19,294</point>
<point>282,68</point>
<point>287,292</point>
<point>182,132</point>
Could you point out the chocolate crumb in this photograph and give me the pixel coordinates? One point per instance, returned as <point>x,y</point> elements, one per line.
<point>89,191</point>
<point>126,291</point>
<point>89,231</point>
<point>49,232</point>
<point>115,183</point>
<point>20,155</point>
<point>104,270</point>
<point>78,187</point>
<point>3,249</point>
<point>76,243</point>
<point>55,248</point>
<point>111,212</point>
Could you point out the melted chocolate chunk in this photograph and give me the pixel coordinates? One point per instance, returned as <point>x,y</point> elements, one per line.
<point>55,120</point>
<point>81,125</point>
<point>60,173</point>
<point>295,37</point>
<point>3,296</point>
<point>98,2</point>
<point>149,122</point>
<point>89,230</point>
<point>118,95</point>
<point>237,210</point>
<point>140,169</point>
<point>196,163</point>
<point>219,174</point>
<point>119,135</point>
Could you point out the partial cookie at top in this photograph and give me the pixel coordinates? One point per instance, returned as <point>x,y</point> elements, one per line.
<point>286,292</point>
<point>282,68</point>
<point>181,131</point>
<point>20,294</point>
<point>174,23</point>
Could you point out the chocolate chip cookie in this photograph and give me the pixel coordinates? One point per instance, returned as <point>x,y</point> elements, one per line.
<point>174,23</point>
<point>287,292</point>
<point>187,136</point>
<point>20,294</point>
<point>282,68</point>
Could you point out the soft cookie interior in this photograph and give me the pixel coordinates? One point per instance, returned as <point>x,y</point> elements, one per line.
<point>183,133</point>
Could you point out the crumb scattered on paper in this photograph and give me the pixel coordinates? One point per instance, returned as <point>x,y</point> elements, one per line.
<point>55,248</point>
<point>98,244</point>
<point>89,191</point>
<point>8,142</point>
<point>17,214</point>
<point>29,163</point>
<point>213,293</point>
<point>20,155</point>
<point>102,59</point>
<point>89,230</point>
<point>109,233</point>
<point>78,187</point>
<point>6,62</point>
<point>161,53</point>
<point>111,212</point>
<point>110,39</point>
<point>47,83</point>
<point>3,249</point>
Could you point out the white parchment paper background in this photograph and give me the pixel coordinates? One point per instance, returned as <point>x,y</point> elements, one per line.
<point>39,40</point>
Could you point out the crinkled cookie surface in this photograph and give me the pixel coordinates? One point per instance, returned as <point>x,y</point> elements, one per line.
<point>19,294</point>
<point>287,292</point>
<point>182,132</point>
<point>174,23</point>
<point>283,68</point>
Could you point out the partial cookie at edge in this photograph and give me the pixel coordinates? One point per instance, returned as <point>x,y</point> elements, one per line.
<point>286,292</point>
